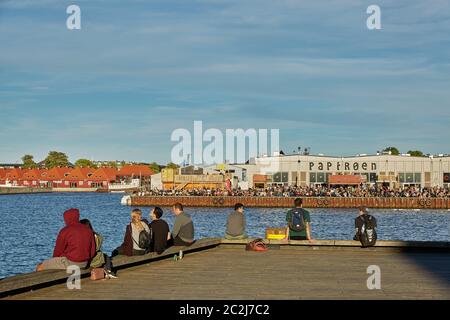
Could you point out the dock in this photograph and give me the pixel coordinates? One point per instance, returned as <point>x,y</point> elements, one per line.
<point>21,190</point>
<point>286,202</point>
<point>214,269</point>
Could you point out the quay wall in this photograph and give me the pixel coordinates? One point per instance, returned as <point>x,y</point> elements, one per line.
<point>12,190</point>
<point>285,202</point>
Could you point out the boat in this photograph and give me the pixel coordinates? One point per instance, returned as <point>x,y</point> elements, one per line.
<point>126,200</point>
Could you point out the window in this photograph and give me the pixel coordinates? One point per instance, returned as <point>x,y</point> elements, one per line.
<point>447,177</point>
<point>373,177</point>
<point>281,177</point>
<point>367,176</point>
<point>277,177</point>
<point>320,177</point>
<point>409,177</point>
<point>312,177</point>
<point>417,177</point>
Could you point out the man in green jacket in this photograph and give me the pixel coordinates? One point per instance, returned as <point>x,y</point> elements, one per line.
<point>298,222</point>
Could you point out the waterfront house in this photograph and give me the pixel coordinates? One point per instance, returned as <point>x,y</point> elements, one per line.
<point>54,178</point>
<point>130,174</point>
<point>78,178</point>
<point>103,177</point>
<point>14,176</point>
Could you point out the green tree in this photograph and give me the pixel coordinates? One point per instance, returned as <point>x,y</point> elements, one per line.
<point>416,153</point>
<point>28,162</point>
<point>112,164</point>
<point>85,163</point>
<point>56,159</point>
<point>154,167</point>
<point>172,165</point>
<point>394,151</point>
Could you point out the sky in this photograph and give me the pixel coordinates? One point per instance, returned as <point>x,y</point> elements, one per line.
<point>137,70</point>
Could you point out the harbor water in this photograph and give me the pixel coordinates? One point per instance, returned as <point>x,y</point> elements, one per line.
<point>30,224</point>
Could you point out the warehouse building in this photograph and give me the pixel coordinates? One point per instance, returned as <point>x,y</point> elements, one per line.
<point>388,170</point>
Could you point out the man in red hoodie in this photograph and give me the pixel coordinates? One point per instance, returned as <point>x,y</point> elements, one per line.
<point>75,244</point>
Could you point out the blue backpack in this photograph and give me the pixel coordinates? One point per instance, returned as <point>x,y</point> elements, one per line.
<point>297,222</point>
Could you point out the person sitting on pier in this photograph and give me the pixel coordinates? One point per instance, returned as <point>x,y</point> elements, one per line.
<point>160,231</point>
<point>100,259</point>
<point>75,244</point>
<point>236,224</point>
<point>131,242</point>
<point>299,222</point>
<point>183,227</point>
<point>365,228</point>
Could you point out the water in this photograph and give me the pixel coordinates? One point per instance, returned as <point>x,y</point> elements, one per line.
<point>30,224</point>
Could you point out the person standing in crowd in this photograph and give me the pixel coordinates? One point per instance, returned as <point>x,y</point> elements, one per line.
<point>100,259</point>
<point>160,231</point>
<point>130,245</point>
<point>236,224</point>
<point>75,244</point>
<point>183,227</point>
<point>299,222</point>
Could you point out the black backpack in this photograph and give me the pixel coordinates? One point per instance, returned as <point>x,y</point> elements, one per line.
<point>145,239</point>
<point>297,222</point>
<point>368,230</point>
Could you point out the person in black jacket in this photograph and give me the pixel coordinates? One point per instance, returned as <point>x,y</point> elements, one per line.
<point>365,228</point>
<point>160,231</point>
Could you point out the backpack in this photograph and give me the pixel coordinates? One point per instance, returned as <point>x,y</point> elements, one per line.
<point>368,231</point>
<point>256,245</point>
<point>145,239</point>
<point>297,222</point>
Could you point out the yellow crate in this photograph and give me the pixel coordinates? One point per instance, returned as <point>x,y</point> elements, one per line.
<point>275,233</point>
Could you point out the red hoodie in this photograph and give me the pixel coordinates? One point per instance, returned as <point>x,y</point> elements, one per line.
<point>75,241</point>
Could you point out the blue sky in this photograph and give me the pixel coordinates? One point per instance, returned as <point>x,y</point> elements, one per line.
<point>137,70</point>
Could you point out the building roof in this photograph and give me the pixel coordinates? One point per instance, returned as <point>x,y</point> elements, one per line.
<point>2,173</point>
<point>104,174</point>
<point>14,174</point>
<point>77,174</point>
<point>135,170</point>
<point>56,173</point>
<point>31,174</point>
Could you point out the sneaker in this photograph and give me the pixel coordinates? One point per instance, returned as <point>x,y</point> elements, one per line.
<point>110,275</point>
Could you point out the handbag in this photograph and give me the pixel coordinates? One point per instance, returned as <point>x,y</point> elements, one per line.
<point>256,245</point>
<point>97,274</point>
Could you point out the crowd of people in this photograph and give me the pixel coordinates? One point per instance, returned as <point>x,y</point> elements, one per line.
<point>311,191</point>
<point>77,244</point>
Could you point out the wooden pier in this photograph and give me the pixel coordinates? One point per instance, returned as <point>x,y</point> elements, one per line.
<point>286,202</point>
<point>222,269</point>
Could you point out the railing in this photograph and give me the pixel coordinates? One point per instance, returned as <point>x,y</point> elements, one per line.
<point>285,202</point>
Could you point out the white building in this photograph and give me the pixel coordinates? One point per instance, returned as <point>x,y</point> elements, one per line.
<point>307,170</point>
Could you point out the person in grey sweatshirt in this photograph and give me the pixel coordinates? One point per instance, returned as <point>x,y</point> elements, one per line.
<point>236,224</point>
<point>183,227</point>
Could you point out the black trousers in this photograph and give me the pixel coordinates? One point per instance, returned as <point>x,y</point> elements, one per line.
<point>298,238</point>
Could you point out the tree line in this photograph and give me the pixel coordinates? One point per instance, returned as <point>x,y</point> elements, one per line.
<point>60,159</point>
